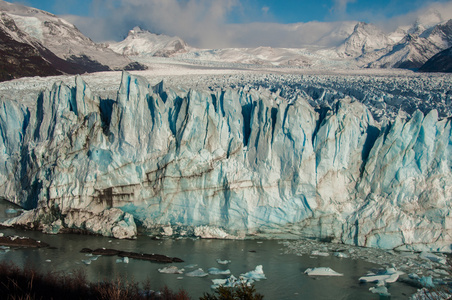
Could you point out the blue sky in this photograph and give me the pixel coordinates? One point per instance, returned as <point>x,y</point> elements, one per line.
<point>281,11</point>
<point>207,23</point>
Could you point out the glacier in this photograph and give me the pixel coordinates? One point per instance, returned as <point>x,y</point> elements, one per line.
<point>226,163</point>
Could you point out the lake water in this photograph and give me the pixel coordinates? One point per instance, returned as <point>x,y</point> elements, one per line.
<point>284,272</point>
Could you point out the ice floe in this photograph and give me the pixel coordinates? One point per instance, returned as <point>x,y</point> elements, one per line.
<point>171,270</point>
<point>433,257</point>
<point>381,290</point>
<point>426,294</point>
<point>255,275</point>
<point>197,273</point>
<point>223,262</point>
<point>340,254</point>
<point>319,253</point>
<point>322,271</point>
<point>388,276</point>
<point>216,271</point>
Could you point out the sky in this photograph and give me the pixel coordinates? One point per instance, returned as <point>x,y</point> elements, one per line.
<point>237,23</point>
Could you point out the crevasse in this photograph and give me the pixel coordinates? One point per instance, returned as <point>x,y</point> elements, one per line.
<point>229,163</point>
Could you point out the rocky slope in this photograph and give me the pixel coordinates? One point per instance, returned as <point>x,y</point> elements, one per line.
<point>57,46</point>
<point>441,62</point>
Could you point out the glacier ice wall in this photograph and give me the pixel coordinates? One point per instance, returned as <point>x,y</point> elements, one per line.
<point>226,163</point>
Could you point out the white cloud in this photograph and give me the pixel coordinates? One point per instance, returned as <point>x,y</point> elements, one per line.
<point>429,14</point>
<point>340,7</point>
<point>204,23</point>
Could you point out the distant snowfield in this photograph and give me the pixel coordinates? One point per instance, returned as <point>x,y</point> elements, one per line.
<point>384,91</point>
<point>175,72</point>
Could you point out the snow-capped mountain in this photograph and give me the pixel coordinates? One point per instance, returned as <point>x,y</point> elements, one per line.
<point>365,38</point>
<point>46,31</point>
<point>17,57</point>
<point>142,42</point>
<point>419,45</point>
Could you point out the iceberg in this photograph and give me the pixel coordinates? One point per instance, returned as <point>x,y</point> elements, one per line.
<point>216,271</point>
<point>171,270</point>
<point>433,257</point>
<point>227,163</point>
<point>256,275</point>
<point>390,275</point>
<point>197,273</point>
<point>223,262</point>
<point>322,271</point>
<point>231,281</point>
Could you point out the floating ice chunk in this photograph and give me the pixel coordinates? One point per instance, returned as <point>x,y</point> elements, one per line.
<point>426,294</point>
<point>441,272</point>
<point>388,276</point>
<point>2,234</point>
<point>48,260</point>
<point>223,262</point>
<point>171,270</point>
<point>340,254</point>
<point>256,275</point>
<point>11,211</point>
<point>231,281</point>
<point>94,257</point>
<point>322,271</point>
<point>433,257</point>
<point>123,260</point>
<point>427,281</point>
<point>319,253</point>
<point>87,261</point>
<point>197,273</point>
<point>191,266</point>
<point>381,290</point>
<point>216,271</point>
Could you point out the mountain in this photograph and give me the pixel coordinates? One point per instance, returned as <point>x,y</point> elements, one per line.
<point>62,47</point>
<point>365,38</point>
<point>441,62</point>
<point>142,42</point>
<point>19,59</point>
<point>414,49</point>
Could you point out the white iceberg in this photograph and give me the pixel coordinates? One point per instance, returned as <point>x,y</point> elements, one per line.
<point>223,262</point>
<point>231,281</point>
<point>388,276</point>
<point>433,257</point>
<point>197,273</point>
<point>319,253</point>
<point>322,271</point>
<point>171,270</point>
<point>340,254</point>
<point>426,294</point>
<point>216,271</point>
<point>122,260</point>
<point>381,290</point>
<point>256,275</point>
<point>87,261</point>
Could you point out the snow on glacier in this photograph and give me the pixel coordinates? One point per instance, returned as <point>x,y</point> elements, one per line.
<point>306,158</point>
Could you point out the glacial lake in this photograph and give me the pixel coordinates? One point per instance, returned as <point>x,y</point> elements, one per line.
<point>284,272</point>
